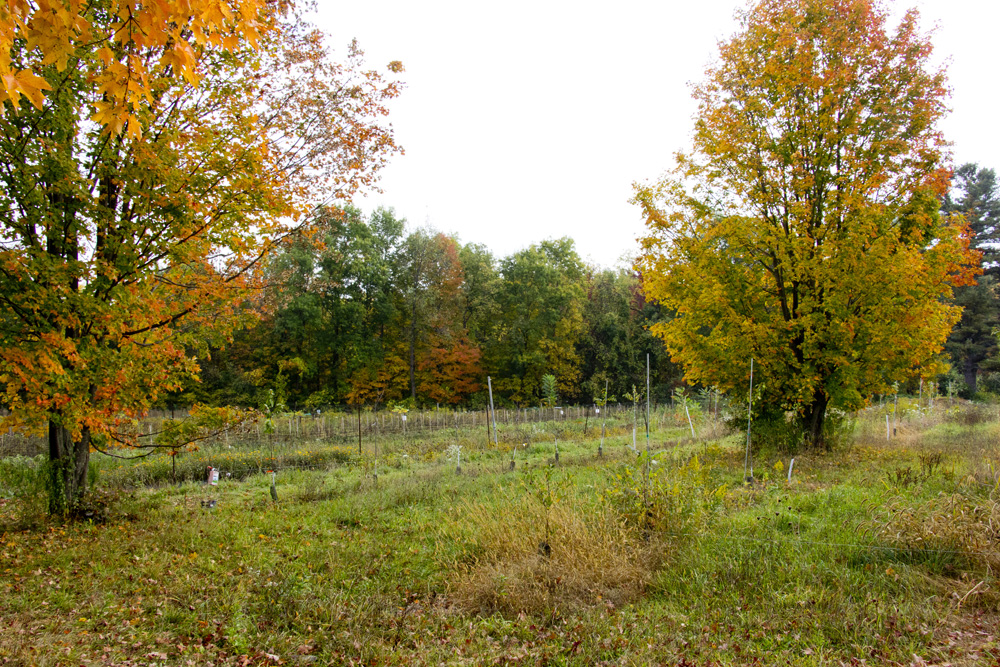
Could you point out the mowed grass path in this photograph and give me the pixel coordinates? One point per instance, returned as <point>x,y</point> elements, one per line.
<point>876,553</point>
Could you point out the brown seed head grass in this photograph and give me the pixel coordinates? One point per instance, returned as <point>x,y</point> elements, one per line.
<point>946,528</point>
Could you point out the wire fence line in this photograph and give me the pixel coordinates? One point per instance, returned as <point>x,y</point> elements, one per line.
<point>343,427</point>
<point>339,426</point>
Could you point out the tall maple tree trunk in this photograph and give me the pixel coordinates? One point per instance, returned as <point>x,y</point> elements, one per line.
<point>813,419</point>
<point>68,463</point>
<point>68,458</point>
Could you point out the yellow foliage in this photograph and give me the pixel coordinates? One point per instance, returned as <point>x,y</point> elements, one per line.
<point>54,31</point>
<point>803,230</point>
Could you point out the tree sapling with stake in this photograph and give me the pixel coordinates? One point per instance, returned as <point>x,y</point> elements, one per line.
<point>549,395</point>
<point>680,396</point>
<point>634,396</point>
<point>602,404</point>
<point>454,454</point>
<point>747,462</point>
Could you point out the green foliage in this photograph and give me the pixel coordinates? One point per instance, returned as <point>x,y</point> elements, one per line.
<point>204,422</point>
<point>363,313</point>
<point>601,401</point>
<point>771,431</point>
<point>336,308</point>
<point>548,390</point>
<point>541,319</point>
<point>976,197</point>
<point>618,318</point>
<point>681,398</point>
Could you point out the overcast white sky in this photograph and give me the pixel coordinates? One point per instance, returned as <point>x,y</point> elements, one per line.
<point>525,120</point>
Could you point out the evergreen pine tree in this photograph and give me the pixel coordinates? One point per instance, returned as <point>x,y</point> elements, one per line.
<point>972,345</point>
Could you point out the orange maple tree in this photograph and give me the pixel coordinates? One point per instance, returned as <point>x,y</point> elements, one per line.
<point>803,230</point>
<point>449,369</point>
<point>444,363</point>
<point>167,148</point>
<point>139,47</point>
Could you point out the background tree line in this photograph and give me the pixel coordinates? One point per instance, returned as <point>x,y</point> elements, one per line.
<point>364,312</point>
<point>368,313</point>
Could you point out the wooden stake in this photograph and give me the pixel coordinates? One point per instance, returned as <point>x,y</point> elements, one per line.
<point>489,383</point>
<point>747,460</point>
<point>604,421</point>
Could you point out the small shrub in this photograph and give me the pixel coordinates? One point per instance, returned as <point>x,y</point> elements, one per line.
<point>969,414</point>
<point>676,501</point>
<point>770,431</point>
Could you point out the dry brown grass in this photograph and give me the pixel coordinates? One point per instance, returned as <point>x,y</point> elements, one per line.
<point>588,556</point>
<point>945,528</point>
<point>986,472</point>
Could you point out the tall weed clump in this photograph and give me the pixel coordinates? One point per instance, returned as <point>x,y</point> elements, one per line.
<point>545,552</point>
<point>545,547</point>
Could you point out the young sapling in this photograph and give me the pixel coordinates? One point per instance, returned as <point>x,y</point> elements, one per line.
<point>454,454</point>
<point>603,404</point>
<point>634,397</point>
<point>680,396</point>
<point>747,461</point>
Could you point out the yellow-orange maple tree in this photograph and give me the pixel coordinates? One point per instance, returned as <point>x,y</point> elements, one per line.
<point>803,230</point>
<point>167,147</point>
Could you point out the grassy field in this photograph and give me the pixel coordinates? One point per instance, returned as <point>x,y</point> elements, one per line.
<point>878,552</point>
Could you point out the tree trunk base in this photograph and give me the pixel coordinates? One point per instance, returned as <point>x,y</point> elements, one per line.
<point>69,461</point>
